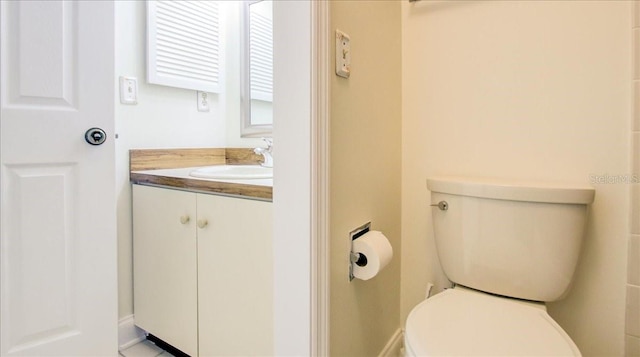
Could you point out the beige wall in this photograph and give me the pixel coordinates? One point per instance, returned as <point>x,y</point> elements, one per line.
<point>532,90</point>
<point>365,173</point>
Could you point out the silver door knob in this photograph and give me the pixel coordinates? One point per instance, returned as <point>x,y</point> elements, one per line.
<point>95,136</point>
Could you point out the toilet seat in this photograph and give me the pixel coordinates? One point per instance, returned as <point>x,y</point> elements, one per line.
<point>463,322</point>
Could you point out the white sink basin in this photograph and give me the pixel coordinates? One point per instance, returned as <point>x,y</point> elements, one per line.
<point>233,172</point>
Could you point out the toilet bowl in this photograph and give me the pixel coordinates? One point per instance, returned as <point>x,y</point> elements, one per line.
<point>464,322</point>
<point>509,247</point>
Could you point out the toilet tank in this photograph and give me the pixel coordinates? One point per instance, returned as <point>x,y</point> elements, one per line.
<point>517,239</point>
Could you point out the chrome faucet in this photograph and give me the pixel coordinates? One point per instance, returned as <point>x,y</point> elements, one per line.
<point>266,153</point>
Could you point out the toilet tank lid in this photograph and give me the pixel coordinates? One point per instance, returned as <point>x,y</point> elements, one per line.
<point>514,190</point>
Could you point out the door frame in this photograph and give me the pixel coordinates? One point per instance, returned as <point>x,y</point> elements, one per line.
<point>320,151</point>
<point>301,122</point>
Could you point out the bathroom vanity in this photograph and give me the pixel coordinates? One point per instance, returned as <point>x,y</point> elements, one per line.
<point>203,262</point>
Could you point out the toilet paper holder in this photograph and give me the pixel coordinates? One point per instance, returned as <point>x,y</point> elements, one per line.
<point>357,258</point>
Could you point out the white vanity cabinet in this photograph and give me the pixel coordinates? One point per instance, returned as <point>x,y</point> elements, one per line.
<point>203,266</point>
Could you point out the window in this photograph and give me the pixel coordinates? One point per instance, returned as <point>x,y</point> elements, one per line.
<point>261,50</point>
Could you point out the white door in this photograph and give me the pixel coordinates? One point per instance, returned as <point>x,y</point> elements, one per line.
<point>58,277</point>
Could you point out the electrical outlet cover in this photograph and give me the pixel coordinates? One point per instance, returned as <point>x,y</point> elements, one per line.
<point>203,101</point>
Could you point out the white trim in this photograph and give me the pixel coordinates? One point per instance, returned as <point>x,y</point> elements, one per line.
<point>292,206</point>
<point>320,90</point>
<point>394,345</point>
<point>128,333</point>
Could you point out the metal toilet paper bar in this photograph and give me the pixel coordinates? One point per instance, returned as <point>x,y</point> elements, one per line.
<point>357,258</point>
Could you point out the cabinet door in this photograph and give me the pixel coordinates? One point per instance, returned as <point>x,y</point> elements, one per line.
<point>235,277</point>
<point>164,265</point>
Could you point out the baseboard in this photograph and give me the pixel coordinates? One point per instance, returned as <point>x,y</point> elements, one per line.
<point>128,333</point>
<point>394,346</point>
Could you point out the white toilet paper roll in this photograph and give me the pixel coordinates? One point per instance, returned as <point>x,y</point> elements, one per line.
<point>378,252</point>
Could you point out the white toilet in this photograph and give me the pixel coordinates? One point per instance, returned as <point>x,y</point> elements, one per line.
<point>508,247</point>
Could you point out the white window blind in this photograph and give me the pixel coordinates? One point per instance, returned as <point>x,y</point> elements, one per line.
<point>183,44</point>
<point>261,53</point>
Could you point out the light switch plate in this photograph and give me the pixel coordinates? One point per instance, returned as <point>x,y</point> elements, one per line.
<point>128,90</point>
<point>343,54</point>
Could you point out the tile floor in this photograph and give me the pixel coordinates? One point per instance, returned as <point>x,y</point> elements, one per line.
<point>144,349</point>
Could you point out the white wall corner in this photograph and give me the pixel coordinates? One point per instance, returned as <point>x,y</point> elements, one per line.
<point>128,333</point>
<point>393,348</point>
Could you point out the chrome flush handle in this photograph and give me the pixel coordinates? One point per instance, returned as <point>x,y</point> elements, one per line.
<point>442,205</point>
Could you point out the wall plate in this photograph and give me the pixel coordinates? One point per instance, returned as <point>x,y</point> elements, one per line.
<point>343,54</point>
<point>128,90</point>
<point>203,101</point>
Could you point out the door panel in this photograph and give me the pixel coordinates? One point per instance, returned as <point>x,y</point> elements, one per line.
<point>235,277</point>
<point>42,202</point>
<point>165,265</point>
<point>34,79</point>
<point>58,258</point>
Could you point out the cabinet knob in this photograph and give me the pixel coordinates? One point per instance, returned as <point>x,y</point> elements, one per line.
<point>184,219</point>
<point>202,223</point>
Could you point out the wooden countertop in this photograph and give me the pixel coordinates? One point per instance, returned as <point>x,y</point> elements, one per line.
<point>170,168</point>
